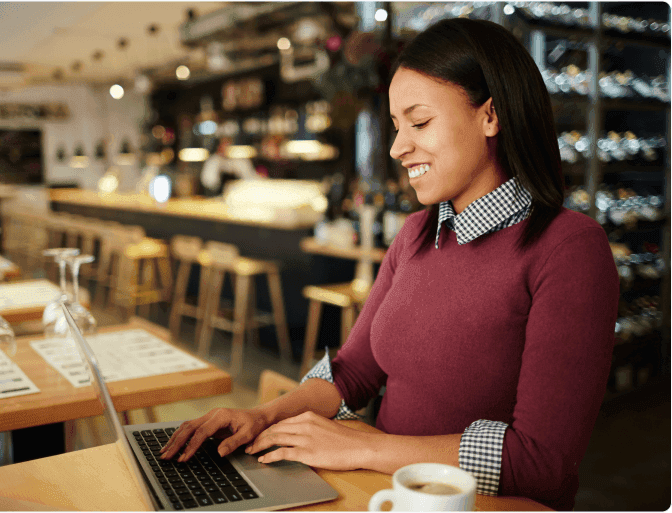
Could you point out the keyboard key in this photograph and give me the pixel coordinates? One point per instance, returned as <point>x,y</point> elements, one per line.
<point>197,493</point>
<point>146,433</point>
<point>233,496</point>
<point>182,491</point>
<point>211,489</point>
<point>204,501</point>
<point>177,506</point>
<point>249,495</point>
<point>244,489</point>
<point>170,431</point>
<point>218,498</point>
<point>190,504</point>
<point>136,433</point>
<point>158,430</point>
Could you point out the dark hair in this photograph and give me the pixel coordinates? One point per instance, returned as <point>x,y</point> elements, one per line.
<point>486,60</point>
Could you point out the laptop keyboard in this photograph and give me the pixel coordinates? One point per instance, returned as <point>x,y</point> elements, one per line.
<point>205,479</point>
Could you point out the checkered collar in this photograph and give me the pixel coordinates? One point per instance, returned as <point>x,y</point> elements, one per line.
<point>507,205</point>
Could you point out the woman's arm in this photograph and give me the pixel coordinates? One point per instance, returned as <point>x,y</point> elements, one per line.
<point>323,443</point>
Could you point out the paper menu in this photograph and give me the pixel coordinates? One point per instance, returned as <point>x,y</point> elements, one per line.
<point>121,355</point>
<point>13,381</point>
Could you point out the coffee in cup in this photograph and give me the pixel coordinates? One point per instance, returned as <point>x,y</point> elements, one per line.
<point>428,487</point>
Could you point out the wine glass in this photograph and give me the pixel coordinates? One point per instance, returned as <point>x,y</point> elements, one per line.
<point>7,339</point>
<point>52,311</point>
<point>83,317</point>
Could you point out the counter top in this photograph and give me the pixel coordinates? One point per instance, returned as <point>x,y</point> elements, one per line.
<point>212,209</point>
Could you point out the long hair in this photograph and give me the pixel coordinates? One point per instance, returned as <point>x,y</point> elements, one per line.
<point>486,60</point>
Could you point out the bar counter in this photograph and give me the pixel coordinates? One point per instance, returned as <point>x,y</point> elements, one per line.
<point>272,239</point>
<point>207,209</point>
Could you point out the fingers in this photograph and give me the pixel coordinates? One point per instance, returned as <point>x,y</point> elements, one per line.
<point>282,439</point>
<point>200,435</point>
<point>284,453</point>
<point>180,436</point>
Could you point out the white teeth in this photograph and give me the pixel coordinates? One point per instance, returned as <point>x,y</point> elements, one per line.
<point>418,170</point>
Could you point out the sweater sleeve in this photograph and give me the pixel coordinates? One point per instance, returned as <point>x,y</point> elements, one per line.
<point>564,369</point>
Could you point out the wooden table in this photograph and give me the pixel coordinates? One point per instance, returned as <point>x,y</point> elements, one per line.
<point>98,479</point>
<point>59,401</point>
<point>25,300</point>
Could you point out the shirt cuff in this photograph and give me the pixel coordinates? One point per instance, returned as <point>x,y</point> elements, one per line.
<point>322,370</point>
<point>481,454</point>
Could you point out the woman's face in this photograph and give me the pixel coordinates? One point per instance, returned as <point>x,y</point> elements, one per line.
<point>448,146</point>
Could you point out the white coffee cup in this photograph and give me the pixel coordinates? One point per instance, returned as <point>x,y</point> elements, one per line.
<point>434,475</point>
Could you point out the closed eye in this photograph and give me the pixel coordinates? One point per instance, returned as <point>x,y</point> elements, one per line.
<point>420,126</point>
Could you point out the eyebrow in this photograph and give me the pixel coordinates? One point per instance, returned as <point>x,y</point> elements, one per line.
<point>407,110</point>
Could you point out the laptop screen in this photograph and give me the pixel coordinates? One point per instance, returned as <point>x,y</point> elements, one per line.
<point>103,395</point>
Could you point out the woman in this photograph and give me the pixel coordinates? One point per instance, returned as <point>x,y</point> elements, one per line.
<point>492,316</point>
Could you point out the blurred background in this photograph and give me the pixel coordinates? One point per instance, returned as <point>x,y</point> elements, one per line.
<point>265,126</point>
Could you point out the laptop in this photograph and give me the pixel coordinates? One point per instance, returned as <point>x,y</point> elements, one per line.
<point>237,482</point>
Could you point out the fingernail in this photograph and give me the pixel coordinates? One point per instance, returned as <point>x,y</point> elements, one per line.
<point>261,459</point>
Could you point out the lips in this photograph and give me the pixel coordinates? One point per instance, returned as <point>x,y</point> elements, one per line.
<point>416,171</point>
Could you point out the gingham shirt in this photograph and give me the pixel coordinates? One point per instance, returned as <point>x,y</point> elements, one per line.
<point>481,444</point>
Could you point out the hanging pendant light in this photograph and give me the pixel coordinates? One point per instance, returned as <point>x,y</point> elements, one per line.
<point>79,159</point>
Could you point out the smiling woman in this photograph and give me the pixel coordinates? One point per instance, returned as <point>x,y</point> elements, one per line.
<point>491,321</point>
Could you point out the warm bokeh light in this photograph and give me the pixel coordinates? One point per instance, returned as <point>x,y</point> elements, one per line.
<point>182,72</point>
<point>193,154</point>
<point>117,92</point>
<point>284,44</point>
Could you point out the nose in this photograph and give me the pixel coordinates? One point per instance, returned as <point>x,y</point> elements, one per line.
<point>400,146</point>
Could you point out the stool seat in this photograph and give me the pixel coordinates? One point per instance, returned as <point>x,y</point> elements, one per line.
<point>185,250</point>
<point>350,297</point>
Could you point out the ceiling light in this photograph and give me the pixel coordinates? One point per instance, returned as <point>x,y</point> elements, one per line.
<point>381,15</point>
<point>117,92</point>
<point>182,72</point>
<point>193,154</point>
<point>284,44</point>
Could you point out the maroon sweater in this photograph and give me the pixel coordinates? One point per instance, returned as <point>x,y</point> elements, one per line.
<point>487,331</point>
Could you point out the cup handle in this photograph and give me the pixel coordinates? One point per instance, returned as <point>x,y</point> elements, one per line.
<point>378,498</point>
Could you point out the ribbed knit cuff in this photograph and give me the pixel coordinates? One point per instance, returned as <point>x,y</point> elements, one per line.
<point>481,454</point>
<point>322,370</point>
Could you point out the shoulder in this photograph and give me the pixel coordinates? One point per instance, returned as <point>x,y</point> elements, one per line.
<point>568,223</point>
<point>573,240</point>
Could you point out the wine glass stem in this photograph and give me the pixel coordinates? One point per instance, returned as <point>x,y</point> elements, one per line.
<point>75,281</point>
<point>61,266</point>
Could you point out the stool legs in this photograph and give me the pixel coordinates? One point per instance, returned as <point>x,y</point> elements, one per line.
<point>279,315</point>
<point>347,322</point>
<point>210,291</point>
<point>239,316</point>
<point>312,329</point>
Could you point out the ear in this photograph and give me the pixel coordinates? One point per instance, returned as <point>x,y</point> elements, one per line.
<point>490,120</point>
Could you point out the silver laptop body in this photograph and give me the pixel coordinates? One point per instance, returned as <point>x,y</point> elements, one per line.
<point>237,482</point>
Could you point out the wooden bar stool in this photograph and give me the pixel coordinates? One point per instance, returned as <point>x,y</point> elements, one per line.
<point>113,239</point>
<point>144,277</point>
<point>346,296</point>
<point>219,259</point>
<point>185,250</point>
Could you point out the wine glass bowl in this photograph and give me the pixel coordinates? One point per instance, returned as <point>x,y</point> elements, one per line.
<point>52,311</point>
<point>7,339</point>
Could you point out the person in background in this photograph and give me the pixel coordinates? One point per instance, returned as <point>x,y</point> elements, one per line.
<point>219,167</point>
<point>491,321</point>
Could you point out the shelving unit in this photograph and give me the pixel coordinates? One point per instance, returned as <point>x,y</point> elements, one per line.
<point>642,352</point>
<point>580,34</point>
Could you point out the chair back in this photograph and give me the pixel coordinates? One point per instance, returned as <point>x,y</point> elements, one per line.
<point>272,385</point>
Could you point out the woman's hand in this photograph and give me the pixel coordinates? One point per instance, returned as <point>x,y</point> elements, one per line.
<point>315,441</point>
<point>239,427</point>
